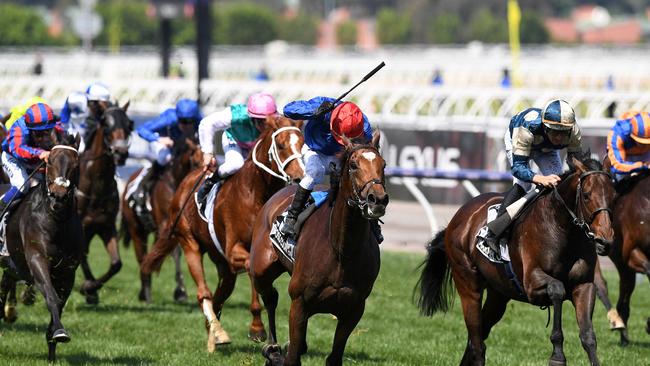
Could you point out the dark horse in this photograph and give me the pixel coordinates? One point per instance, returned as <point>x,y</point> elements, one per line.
<point>553,254</point>
<point>44,238</point>
<point>337,257</point>
<point>187,156</point>
<point>274,161</point>
<point>631,248</point>
<point>97,196</point>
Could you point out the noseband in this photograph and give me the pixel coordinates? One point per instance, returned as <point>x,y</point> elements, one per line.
<point>60,180</point>
<point>579,220</point>
<point>356,200</point>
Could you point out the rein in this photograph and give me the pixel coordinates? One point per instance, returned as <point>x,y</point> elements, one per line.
<point>578,220</point>
<point>356,200</point>
<point>273,155</point>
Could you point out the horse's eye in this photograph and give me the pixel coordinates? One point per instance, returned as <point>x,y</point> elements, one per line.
<point>585,196</point>
<point>353,165</point>
<point>281,146</point>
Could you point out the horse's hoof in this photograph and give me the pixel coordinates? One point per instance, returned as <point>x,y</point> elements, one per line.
<point>10,313</point>
<point>28,296</point>
<point>60,336</point>
<point>222,339</point>
<point>647,326</point>
<point>257,336</point>
<point>180,295</point>
<point>269,349</point>
<point>553,362</point>
<point>615,321</point>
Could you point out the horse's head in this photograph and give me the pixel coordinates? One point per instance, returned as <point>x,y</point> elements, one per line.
<point>284,140</point>
<point>363,167</point>
<point>62,172</point>
<point>117,129</point>
<point>595,195</point>
<point>187,156</point>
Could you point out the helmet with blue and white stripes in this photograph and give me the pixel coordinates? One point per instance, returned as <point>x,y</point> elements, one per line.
<point>558,115</point>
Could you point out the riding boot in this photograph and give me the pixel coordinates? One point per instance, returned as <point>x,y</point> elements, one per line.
<point>515,193</point>
<point>206,187</point>
<point>376,230</point>
<point>147,183</point>
<point>297,205</point>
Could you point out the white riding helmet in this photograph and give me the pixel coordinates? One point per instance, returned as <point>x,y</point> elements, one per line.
<point>98,92</point>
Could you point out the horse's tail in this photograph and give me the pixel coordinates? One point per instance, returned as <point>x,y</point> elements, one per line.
<point>160,250</point>
<point>436,291</point>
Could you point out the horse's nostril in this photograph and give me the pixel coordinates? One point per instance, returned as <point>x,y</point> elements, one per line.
<point>296,180</point>
<point>372,198</point>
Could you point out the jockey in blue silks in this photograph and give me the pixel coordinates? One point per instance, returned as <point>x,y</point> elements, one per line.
<point>74,114</point>
<point>171,125</point>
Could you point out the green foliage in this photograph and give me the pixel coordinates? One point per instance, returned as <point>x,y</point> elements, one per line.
<point>183,31</point>
<point>129,19</point>
<point>486,28</point>
<point>445,29</point>
<point>22,26</point>
<point>245,24</point>
<point>532,28</point>
<point>301,29</point>
<point>392,28</point>
<point>346,33</point>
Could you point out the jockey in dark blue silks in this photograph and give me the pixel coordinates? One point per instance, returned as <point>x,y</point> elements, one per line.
<point>74,114</point>
<point>538,135</point>
<point>171,125</point>
<point>323,140</point>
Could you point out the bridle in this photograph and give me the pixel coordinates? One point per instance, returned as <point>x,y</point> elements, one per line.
<point>578,220</point>
<point>111,147</point>
<point>356,200</point>
<point>274,155</point>
<point>60,180</point>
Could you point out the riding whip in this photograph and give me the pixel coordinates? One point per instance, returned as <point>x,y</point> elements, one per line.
<point>40,165</point>
<point>180,212</point>
<point>368,76</point>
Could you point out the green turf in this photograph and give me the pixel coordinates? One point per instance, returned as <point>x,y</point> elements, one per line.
<point>122,331</point>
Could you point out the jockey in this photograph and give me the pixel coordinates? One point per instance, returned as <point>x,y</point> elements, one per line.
<point>74,114</point>
<point>243,124</point>
<point>19,110</point>
<point>161,132</point>
<point>28,142</point>
<point>628,144</point>
<point>99,99</point>
<point>537,134</point>
<point>323,140</point>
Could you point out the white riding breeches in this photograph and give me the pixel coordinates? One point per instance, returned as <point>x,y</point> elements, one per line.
<point>316,167</point>
<point>548,162</point>
<point>16,171</point>
<point>233,156</point>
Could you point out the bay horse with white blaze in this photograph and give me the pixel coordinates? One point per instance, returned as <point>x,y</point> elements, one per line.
<point>274,161</point>
<point>44,238</point>
<point>97,196</point>
<point>337,256</point>
<point>553,255</point>
<point>187,156</point>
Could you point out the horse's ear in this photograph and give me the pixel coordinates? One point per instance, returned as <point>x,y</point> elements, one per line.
<point>125,107</point>
<point>298,123</point>
<point>376,136</point>
<point>580,168</point>
<point>77,141</point>
<point>273,122</point>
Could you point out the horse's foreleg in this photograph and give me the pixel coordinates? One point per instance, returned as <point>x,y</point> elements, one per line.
<point>627,281</point>
<point>42,279</point>
<point>583,299</point>
<point>226,285</point>
<point>139,237</point>
<point>615,321</point>
<point>238,258</point>
<point>180,294</point>
<point>298,319</point>
<point>344,327</point>
<point>557,293</point>
<point>204,297</point>
<point>113,250</point>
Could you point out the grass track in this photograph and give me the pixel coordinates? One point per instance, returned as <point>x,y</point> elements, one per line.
<point>122,331</point>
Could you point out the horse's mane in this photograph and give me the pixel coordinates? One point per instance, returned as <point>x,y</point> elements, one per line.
<point>628,183</point>
<point>586,160</point>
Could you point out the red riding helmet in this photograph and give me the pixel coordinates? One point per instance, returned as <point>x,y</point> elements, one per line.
<point>346,119</point>
<point>40,117</point>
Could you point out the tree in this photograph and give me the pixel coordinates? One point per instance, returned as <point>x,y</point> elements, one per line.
<point>486,28</point>
<point>22,26</point>
<point>130,21</point>
<point>346,33</point>
<point>392,28</point>
<point>445,29</point>
<point>532,28</point>
<point>246,24</point>
<point>301,29</point>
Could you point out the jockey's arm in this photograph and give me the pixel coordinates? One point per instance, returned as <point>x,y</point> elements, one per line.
<point>18,146</point>
<point>305,109</point>
<point>618,156</point>
<point>150,129</point>
<point>217,121</point>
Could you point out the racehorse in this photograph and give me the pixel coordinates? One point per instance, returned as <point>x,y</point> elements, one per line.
<point>44,238</point>
<point>337,256</point>
<point>552,248</point>
<point>274,161</point>
<point>631,248</point>
<point>187,156</point>
<point>97,196</point>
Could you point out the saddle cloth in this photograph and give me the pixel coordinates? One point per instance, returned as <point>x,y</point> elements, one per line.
<point>286,247</point>
<point>208,215</point>
<point>142,212</point>
<point>4,252</point>
<point>481,236</point>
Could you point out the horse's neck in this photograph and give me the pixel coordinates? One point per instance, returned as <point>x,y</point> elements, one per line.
<point>261,183</point>
<point>553,213</point>
<point>348,228</point>
<point>98,166</point>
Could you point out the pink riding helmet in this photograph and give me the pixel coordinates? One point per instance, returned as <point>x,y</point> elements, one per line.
<point>261,105</point>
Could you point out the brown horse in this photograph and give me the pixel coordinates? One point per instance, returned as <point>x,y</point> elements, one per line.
<point>631,248</point>
<point>552,255</point>
<point>337,257</point>
<point>97,196</point>
<point>187,156</point>
<point>44,239</point>
<point>240,198</point>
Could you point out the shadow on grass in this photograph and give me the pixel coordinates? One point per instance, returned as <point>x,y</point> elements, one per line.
<point>168,308</point>
<point>86,359</point>
<point>256,349</point>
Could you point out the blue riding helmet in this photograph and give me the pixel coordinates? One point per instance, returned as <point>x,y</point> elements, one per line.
<point>188,109</point>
